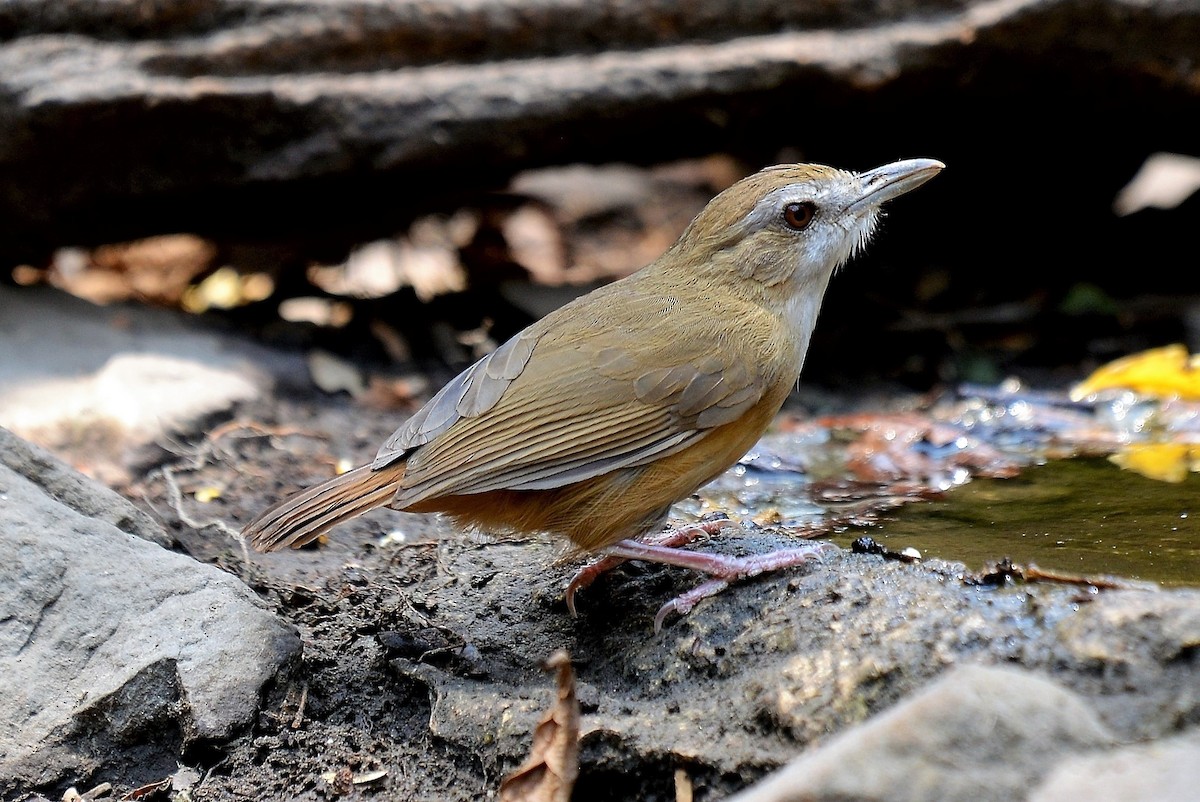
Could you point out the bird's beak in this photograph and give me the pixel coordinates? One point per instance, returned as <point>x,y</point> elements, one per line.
<point>887,182</point>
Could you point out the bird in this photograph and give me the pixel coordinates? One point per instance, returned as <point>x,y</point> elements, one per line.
<point>594,420</point>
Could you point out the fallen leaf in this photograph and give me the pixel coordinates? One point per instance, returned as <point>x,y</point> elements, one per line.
<point>683,786</point>
<point>318,311</point>
<point>1164,181</point>
<point>206,494</point>
<point>368,777</point>
<point>535,243</point>
<point>1163,372</point>
<point>332,374</point>
<point>148,790</point>
<point>1166,462</point>
<point>393,393</point>
<point>226,288</point>
<point>340,780</point>
<point>549,773</point>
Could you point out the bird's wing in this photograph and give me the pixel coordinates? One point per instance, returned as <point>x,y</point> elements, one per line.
<point>470,394</point>
<point>545,411</point>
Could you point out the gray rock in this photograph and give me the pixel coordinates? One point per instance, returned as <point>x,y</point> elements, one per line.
<point>1166,771</point>
<point>77,492</point>
<point>103,386</point>
<point>114,651</point>
<point>1137,653</point>
<point>977,733</point>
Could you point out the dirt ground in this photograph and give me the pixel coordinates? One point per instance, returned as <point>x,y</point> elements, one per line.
<point>423,646</point>
<point>421,674</point>
<point>394,607</point>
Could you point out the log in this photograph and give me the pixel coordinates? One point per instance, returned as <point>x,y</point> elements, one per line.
<point>259,117</point>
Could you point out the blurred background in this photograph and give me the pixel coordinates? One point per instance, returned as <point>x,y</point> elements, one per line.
<point>242,240</point>
<point>403,184</point>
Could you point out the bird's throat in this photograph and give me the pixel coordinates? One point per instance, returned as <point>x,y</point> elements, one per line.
<point>800,314</point>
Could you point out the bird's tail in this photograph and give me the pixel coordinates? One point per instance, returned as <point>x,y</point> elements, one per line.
<point>308,515</point>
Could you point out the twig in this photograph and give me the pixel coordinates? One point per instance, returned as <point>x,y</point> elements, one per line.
<point>1034,574</point>
<point>683,786</point>
<point>211,769</point>
<point>261,430</point>
<point>176,497</point>
<point>299,717</point>
<point>1007,569</point>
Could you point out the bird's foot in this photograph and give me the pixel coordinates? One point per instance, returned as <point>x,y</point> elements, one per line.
<point>723,569</point>
<point>726,570</point>
<point>671,539</point>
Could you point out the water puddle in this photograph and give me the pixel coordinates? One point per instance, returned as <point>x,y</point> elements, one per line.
<point>1084,516</point>
<point>1103,487</point>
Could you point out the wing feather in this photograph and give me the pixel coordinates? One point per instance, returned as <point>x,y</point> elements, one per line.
<point>530,452</point>
<point>546,410</point>
<point>470,394</point>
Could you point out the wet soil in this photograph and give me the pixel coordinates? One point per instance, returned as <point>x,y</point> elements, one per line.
<point>421,673</point>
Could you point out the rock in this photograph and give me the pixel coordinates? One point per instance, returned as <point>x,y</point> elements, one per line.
<point>191,104</point>
<point>1138,652</point>
<point>115,653</point>
<point>1144,628</point>
<point>77,492</point>
<point>102,386</point>
<point>1166,771</point>
<point>977,733</point>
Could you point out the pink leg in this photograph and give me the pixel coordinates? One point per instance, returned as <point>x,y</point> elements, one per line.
<point>731,569</point>
<point>673,538</point>
<point>722,568</point>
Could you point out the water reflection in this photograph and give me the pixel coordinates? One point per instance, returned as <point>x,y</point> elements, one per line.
<point>1107,486</point>
<point>1081,515</point>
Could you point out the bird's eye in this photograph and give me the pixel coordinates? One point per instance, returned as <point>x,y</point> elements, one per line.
<point>799,215</point>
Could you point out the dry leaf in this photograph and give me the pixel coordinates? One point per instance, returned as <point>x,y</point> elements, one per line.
<point>318,311</point>
<point>206,494</point>
<point>548,774</point>
<point>683,786</point>
<point>1165,181</point>
<point>368,777</point>
<point>226,288</point>
<point>536,244</point>
<point>332,374</point>
<point>153,789</point>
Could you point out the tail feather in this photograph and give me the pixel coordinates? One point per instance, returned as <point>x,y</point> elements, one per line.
<point>306,516</point>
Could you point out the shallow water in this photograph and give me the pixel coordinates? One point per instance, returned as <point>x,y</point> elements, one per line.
<point>1084,516</point>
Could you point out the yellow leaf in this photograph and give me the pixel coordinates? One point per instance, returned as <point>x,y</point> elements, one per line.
<point>226,288</point>
<point>1164,372</point>
<point>1166,462</point>
<point>207,494</point>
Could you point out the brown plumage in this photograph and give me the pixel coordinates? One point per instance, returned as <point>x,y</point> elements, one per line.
<point>593,421</point>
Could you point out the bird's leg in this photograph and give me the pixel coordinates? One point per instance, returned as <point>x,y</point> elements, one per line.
<point>723,569</point>
<point>671,539</point>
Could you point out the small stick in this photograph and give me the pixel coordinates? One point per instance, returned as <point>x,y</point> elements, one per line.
<point>299,717</point>
<point>683,786</point>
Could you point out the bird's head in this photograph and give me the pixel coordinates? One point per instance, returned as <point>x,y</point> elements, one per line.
<point>790,226</point>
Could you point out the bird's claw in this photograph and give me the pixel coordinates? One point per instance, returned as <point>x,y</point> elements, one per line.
<point>673,538</point>
<point>684,602</point>
<point>586,576</point>
<point>723,570</point>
